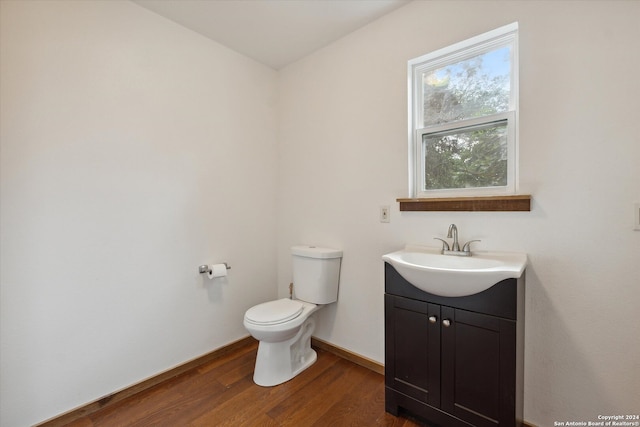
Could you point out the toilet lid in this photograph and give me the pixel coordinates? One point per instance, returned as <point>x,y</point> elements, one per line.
<point>274,312</point>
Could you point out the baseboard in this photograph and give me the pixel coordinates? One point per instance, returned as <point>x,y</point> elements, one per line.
<point>74,414</point>
<point>346,354</point>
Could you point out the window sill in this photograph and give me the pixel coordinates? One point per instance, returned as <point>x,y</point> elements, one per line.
<point>471,204</point>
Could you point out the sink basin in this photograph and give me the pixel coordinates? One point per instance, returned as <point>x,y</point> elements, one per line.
<point>455,276</point>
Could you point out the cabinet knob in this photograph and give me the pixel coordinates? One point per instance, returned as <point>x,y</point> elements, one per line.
<point>446,323</point>
<point>433,319</point>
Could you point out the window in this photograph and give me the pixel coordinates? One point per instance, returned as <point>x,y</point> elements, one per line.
<point>463,117</point>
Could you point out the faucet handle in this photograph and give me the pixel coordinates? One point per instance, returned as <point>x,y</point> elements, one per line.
<point>467,246</point>
<point>445,245</point>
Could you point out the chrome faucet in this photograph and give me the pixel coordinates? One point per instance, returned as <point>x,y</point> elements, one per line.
<point>455,246</point>
<point>453,232</point>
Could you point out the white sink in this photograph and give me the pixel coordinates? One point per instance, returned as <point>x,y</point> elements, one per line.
<point>455,276</point>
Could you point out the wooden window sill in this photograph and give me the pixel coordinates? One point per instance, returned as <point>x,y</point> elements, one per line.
<point>471,204</point>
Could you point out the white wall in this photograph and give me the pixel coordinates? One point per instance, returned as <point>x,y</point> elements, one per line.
<point>130,147</point>
<point>342,149</point>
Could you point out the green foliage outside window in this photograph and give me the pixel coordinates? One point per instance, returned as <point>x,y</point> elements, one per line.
<point>472,156</point>
<point>476,158</point>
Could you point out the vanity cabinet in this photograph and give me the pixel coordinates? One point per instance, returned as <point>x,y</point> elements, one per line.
<point>454,361</point>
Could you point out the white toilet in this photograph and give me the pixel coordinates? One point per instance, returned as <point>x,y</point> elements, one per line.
<point>284,326</point>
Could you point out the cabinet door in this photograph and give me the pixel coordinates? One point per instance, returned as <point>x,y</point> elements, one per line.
<point>412,348</point>
<point>478,367</point>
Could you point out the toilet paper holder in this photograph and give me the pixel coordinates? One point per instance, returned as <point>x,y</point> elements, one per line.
<point>205,269</point>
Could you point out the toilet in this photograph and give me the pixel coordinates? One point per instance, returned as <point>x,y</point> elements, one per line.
<point>284,326</point>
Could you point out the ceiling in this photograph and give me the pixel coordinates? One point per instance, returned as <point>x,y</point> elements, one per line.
<point>273,32</point>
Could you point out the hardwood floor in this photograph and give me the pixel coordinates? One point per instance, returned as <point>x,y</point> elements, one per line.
<point>332,392</point>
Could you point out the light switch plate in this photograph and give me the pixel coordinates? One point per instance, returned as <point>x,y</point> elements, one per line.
<point>384,214</point>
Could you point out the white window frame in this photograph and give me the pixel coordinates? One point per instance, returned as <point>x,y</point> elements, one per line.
<point>503,36</point>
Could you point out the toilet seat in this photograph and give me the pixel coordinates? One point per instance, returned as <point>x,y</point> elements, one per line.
<point>274,312</point>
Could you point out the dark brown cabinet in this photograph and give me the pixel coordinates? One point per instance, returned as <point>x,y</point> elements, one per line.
<point>454,361</point>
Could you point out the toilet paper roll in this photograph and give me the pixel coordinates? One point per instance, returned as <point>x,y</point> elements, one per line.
<point>217,270</point>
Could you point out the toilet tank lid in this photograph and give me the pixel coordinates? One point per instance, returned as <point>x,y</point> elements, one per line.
<point>315,252</point>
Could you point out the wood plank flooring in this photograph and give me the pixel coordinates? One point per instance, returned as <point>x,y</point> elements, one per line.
<point>332,392</point>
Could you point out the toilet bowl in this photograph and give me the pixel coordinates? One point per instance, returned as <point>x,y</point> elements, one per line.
<point>284,326</point>
<point>284,329</point>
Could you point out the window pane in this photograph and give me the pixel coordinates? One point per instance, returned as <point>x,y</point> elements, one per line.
<point>466,158</point>
<point>476,87</point>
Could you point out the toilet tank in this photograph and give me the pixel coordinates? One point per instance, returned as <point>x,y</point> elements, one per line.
<point>316,273</point>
